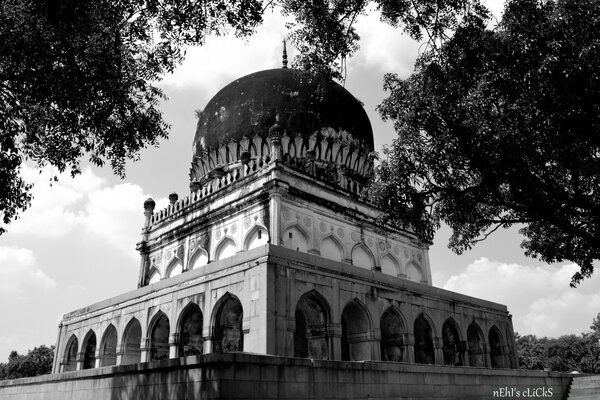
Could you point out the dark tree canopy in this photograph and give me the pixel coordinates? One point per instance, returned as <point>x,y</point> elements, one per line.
<point>502,127</point>
<point>36,362</point>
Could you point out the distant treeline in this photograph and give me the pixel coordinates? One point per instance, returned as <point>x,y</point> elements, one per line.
<point>36,362</point>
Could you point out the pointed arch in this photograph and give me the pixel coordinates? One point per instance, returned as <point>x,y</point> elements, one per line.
<point>89,350</point>
<point>414,272</point>
<point>356,325</point>
<point>393,329</point>
<point>131,342</point>
<point>227,322</point>
<point>497,346</point>
<point>312,316</point>
<point>475,345</point>
<point>174,268</point>
<point>108,347</point>
<point>153,275</point>
<point>70,356</point>
<point>331,248</point>
<point>159,329</point>
<point>423,333</point>
<point>198,259</point>
<point>191,322</point>
<point>225,249</point>
<point>390,265</point>
<point>296,238</point>
<point>256,237</point>
<point>452,348</point>
<point>362,256</point>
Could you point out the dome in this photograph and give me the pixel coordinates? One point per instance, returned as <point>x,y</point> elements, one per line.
<point>251,105</point>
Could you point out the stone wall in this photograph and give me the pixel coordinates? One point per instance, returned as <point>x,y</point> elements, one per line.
<point>248,376</point>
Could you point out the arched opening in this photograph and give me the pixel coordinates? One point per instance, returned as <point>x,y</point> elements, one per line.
<point>175,268</point>
<point>424,350</point>
<point>159,338</point>
<point>228,336</point>
<point>451,346</point>
<point>256,238</point>
<point>89,348</point>
<point>108,347</point>
<point>227,248</point>
<point>295,239</point>
<point>70,363</point>
<point>355,333</point>
<point>331,249</point>
<point>497,356</point>
<point>475,346</point>
<point>199,259</point>
<point>132,339</point>
<point>310,336</point>
<point>389,266</point>
<point>361,257</point>
<point>392,343</point>
<point>154,276</point>
<point>414,273</point>
<point>190,332</point>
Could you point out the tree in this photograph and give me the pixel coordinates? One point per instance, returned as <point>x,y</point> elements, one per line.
<point>530,350</point>
<point>36,362</point>
<point>502,127</point>
<point>78,78</point>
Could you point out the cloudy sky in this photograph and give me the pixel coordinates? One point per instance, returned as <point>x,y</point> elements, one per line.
<point>76,244</point>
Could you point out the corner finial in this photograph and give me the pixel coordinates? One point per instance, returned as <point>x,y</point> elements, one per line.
<point>284,55</point>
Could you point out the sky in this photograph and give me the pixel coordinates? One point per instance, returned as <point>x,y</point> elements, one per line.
<point>76,244</point>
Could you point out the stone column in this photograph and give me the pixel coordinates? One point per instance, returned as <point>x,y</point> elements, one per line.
<point>334,332</point>
<point>410,347</point>
<point>275,216</point>
<point>438,350</point>
<point>149,205</point>
<point>173,344</point>
<point>80,359</point>
<point>145,350</point>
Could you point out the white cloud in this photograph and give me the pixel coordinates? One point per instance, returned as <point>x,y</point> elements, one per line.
<point>53,208</point>
<point>539,298</point>
<point>19,272</point>
<point>116,215</point>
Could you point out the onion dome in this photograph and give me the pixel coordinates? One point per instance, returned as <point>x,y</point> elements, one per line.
<point>282,101</point>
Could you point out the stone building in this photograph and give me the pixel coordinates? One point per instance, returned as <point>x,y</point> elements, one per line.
<point>275,251</point>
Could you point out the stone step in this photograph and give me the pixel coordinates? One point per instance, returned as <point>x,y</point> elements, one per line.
<point>585,388</point>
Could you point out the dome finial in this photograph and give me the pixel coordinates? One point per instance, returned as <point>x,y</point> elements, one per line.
<point>284,55</point>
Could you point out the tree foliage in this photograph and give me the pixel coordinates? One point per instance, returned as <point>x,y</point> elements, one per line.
<point>567,353</point>
<point>502,127</point>
<point>36,362</point>
<point>76,78</point>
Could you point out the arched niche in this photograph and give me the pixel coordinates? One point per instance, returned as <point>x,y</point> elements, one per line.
<point>108,347</point>
<point>191,322</point>
<point>132,339</point>
<point>497,354</point>
<point>153,275</point>
<point>475,346</point>
<point>159,337</point>
<point>423,333</point>
<point>389,265</point>
<point>199,259</point>
<point>89,350</point>
<point>226,248</point>
<point>451,344</point>
<point>70,358</point>
<point>258,236</point>
<point>413,272</point>
<point>310,336</point>
<point>392,332</point>
<point>330,248</point>
<point>228,335</point>
<point>362,257</point>
<point>295,239</point>
<point>175,268</point>
<point>356,325</point>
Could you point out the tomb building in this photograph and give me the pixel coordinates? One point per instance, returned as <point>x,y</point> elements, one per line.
<point>276,251</point>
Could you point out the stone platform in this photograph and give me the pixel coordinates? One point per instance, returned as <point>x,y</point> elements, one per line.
<point>250,376</point>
